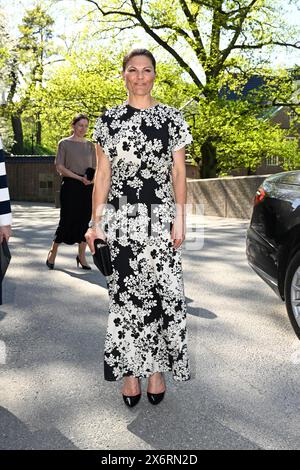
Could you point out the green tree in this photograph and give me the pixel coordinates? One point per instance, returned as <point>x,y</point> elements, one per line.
<point>4,49</point>
<point>89,82</point>
<point>242,130</point>
<point>28,60</point>
<point>215,36</point>
<point>36,47</point>
<point>5,42</point>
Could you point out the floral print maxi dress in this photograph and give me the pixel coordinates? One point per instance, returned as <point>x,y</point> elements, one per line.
<point>147,313</point>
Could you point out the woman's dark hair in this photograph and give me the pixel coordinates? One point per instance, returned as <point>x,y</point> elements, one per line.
<point>136,52</point>
<point>78,118</point>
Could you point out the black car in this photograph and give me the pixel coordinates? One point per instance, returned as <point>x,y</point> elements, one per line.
<point>273,239</point>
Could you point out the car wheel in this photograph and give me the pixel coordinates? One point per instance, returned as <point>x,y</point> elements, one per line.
<point>292,292</point>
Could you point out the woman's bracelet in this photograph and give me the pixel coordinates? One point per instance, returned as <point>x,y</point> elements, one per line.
<point>93,224</point>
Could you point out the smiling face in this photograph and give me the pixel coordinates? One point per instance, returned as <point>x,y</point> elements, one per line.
<point>139,76</point>
<point>81,127</point>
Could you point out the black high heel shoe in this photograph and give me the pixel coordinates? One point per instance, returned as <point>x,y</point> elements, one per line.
<point>155,398</point>
<point>131,401</point>
<point>82,265</point>
<point>50,265</point>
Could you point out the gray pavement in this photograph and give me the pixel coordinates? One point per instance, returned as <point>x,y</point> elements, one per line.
<point>245,358</point>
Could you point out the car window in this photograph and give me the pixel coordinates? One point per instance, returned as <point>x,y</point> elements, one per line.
<point>290,177</point>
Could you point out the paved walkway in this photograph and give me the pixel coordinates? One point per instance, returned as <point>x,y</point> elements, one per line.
<point>245,358</point>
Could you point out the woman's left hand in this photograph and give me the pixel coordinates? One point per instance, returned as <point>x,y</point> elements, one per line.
<point>178,231</point>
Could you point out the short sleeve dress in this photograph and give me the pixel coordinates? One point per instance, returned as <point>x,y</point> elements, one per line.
<point>147,312</point>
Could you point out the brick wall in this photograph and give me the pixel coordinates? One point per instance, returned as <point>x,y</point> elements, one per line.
<point>32,178</point>
<point>192,171</point>
<point>224,197</point>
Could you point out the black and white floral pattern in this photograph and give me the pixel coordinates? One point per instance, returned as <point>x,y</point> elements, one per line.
<point>147,312</point>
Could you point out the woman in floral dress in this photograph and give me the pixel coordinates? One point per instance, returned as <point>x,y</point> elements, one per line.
<point>138,206</point>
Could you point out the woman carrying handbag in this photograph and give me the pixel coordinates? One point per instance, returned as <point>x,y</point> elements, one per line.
<point>139,209</point>
<point>76,163</point>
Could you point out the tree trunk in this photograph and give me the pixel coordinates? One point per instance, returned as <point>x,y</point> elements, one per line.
<point>38,132</point>
<point>18,147</point>
<point>209,160</point>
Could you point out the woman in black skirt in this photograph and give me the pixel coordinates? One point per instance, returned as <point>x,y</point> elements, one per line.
<point>76,163</point>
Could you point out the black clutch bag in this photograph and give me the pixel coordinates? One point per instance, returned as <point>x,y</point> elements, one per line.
<point>102,258</point>
<point>5,257</point>
<point>90,173</point>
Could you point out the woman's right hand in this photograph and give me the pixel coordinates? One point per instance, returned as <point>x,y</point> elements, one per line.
<point>85,181</point>
<point>91,235</point>
<point>5,232</point>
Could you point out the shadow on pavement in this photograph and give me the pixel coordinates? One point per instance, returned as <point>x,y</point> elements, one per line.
<point>2,315</point>
<point>169,427</point>
<point>93,277</point>
<point>14,434</point>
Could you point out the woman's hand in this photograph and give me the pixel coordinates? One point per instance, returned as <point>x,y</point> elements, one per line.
<point>91,235</point>
<point>178,231</point>
<point>85,181</point>
<point>5,232</point>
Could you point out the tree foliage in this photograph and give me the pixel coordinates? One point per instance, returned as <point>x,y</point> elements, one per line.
<point>211,30</point>
<point>90,82</point>
<point>206,54</point>
<point>5,54</point>
<point>243,140</point>
<point>28,59</point>
<point>217,37</point>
